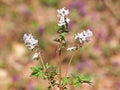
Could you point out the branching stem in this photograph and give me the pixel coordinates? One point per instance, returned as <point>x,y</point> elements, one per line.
<point>41,60</point>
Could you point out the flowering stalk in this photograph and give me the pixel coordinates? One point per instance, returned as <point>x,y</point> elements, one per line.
<point>63,23</point>
<point>81,38</point>
<point>49,72</point>
<point>32,43</point>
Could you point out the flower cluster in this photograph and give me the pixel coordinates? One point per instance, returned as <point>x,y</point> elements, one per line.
<point>84,36</point>
<point>30,41</point>
<point>63,19</point>
<point>81,38</point>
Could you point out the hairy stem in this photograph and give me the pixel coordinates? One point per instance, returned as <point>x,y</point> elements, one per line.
<point>68,65</point>
<point>60,71</point>
<point>41,60</point>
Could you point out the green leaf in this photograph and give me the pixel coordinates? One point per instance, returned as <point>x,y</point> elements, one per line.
<point>59,28</point>
<point>33,73</point>
<point>37,71</point>
<point>65,80</point>
<point>85,78</point>
<point>40,74</point>
<point>48,65</point>
<point>63,34</point>
<point>75,81</point>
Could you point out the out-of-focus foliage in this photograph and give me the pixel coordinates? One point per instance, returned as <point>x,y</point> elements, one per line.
<point>53,3</point>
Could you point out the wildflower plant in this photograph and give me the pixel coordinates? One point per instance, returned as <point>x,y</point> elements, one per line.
<point>52,73</point>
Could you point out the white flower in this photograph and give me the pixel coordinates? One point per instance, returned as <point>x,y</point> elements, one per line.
<point>84,36</point>
<point>88,33</point>
<point>67,20</point>
<point>62,12</point>
<point>35,56</point>
<point>30,42</point>
<point>63,19</point>
<point>71,48</point>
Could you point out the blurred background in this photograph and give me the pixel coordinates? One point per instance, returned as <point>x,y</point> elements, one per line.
<point>100,58</point>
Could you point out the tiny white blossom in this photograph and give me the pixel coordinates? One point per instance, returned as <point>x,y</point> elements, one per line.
<point>30,41</point>
<point>84,36</point>
<point>88,33</point>
<point>62,12</point>
<point>35,56</point>
<point>63,19</point>
<point>71,48</point>
<point>67,20</point>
